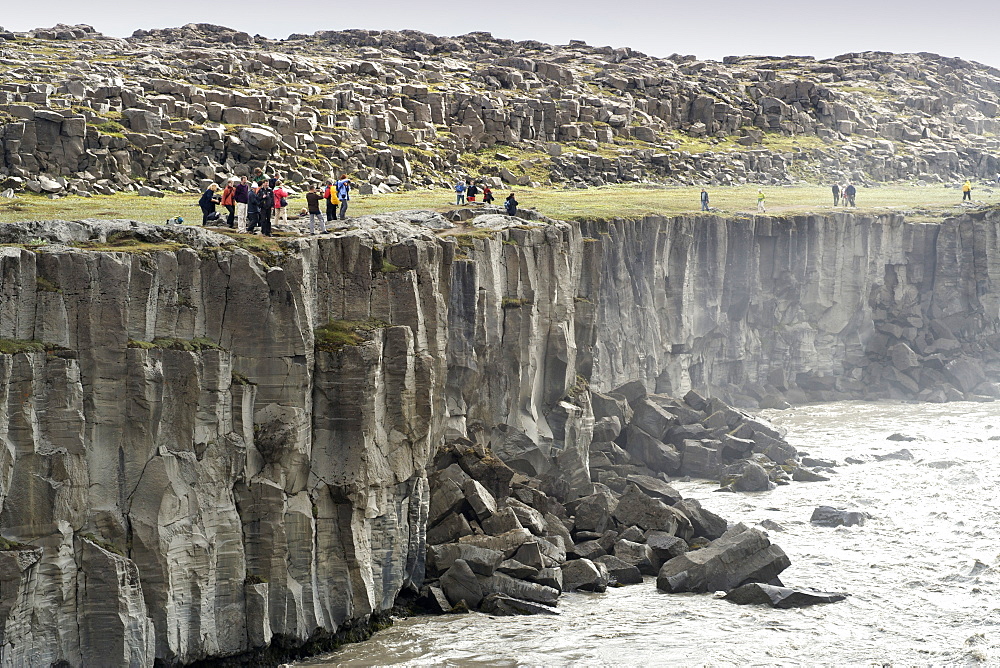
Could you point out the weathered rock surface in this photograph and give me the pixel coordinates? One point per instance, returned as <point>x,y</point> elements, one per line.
<point>828,516</point>
<point>739,556</point>
<point>780,597</point>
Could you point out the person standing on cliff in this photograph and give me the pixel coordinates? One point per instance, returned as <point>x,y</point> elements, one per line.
<point>330,195</point>
<point>242,199</point>
<point>760,201</point>
<point>460,193</point>
<point>471,190</point>
<point>487,195</point>
<point>967,190</point>
<point>850,192</point>
<point>704,200</point>
<point>229,201</point>
<point>280,201</point>
<point>313,199</point>
<point>836,194</point>
<point>343,194</point>
<point>510,205</point>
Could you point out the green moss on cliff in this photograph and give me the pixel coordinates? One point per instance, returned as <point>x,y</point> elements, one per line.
<point>14,346</point>
<point>336,334</point>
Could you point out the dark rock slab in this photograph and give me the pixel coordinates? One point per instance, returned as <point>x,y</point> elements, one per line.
<point>828,516</point>
<point>780,597</point>
<point>502,605</point>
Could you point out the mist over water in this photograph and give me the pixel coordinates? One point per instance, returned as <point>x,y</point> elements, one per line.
<point>923,573</point>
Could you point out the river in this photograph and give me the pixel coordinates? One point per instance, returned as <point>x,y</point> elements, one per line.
<point>922,574</point>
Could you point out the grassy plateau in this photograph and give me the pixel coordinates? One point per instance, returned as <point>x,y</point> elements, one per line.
<point>918,203</point>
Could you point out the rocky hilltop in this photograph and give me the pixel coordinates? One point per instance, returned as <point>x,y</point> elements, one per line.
<point>84,113</point>
<point>208,449</point>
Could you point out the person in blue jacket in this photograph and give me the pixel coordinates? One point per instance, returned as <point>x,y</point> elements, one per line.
<point>704,200</point>
<point>207,203</point>
<point>343,194</point>
<point>460,193</point>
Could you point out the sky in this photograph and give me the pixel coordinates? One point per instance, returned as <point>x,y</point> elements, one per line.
<point>708,30</point>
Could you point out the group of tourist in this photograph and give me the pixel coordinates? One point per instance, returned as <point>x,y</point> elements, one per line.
<point>844,194</point>
<point>259,200</point>
<point>466,192</point>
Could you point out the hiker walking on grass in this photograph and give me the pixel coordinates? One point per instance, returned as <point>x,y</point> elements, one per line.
<point>510,205</point>
<point>343,187</point>
<point>704,200</point>
<point>460,193</point>
<point>760,201</point>
<point>967,190</point>
<point>850,192</point>
<point>836,194</point>
<point>313,199</point>
<point>487,195</point>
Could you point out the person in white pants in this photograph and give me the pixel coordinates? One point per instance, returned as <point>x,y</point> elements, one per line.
<point>242,197</point>
<point>280,212</point>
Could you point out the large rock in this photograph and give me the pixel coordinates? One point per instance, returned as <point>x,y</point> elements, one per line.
<point>740,555</point>
<point>639,555</point>
<point>583,575</point>
<point>481,560</point>
<point>499,583</point>
<point>594,512</point>
<point>620,571</point>
<point>828,516</point>
<point>780,597</point>
<point>460,584</point>
<point>637,509</point>
<point>704,522</point>
<point>503,605</point>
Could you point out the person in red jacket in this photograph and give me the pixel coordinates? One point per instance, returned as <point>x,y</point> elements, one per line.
<point>229,201</point>
<point>280,202</point>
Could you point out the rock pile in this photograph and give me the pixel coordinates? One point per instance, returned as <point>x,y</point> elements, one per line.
<point>172,108</point>
<point>498,543</point>
<point>640,436</point>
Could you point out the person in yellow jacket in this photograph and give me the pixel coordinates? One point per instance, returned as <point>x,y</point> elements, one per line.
<point>760,201</point>
<point>967,190</point>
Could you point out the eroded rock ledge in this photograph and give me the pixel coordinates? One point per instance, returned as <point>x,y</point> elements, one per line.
<point>185,473</point>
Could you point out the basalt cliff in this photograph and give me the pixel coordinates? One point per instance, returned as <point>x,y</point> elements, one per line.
<point>169,109</point>
<point>207,449</point>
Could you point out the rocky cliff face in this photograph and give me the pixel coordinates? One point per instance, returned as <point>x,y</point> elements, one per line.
<point>193,464</point>
<point>175,107</point>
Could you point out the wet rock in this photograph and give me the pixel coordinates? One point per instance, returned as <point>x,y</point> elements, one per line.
<point>619,571</point>
<point>900,437</point>
<point>459,583</point>
<point>583,575</point>
<point>588,549</point>
<point>550,577</point>
<point>502,605</point>
<point>828,516</point>
<point>665,546</point>
<point>639,555</point>
<point>746,477</point>
<point>771,525</point>
<point>739,556</point>
<point>802,474</point>
<point>638,509</point>
<point>516,569</point>
<point>499,583</point>
<point>903,455</point>
<point>482,561</point>
<point>704,522</point>
<point>756,593</point>
<point>655,488</point>
<point>593,513</point>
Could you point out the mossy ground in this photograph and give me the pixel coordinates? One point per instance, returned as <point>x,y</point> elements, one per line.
<point>922,203</point>
<point>164,343</point>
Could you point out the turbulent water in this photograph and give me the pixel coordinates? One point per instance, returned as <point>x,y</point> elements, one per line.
<point>923,574</point>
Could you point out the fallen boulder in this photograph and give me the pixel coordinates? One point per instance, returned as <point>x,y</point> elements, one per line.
<point>460,584</point>
<point>827,516</point>
<point>780,597</point>
<point>584,575</point>
<point>740,555</point>
<point>502,605</point>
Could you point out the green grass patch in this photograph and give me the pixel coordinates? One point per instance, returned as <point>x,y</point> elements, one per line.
<point>45,285</point>
<point>103,544</point>
<point>336,334</point>
<point>7,545</point>
<point>514,302</point>
<point>388,267</point>
<point>15,346</point>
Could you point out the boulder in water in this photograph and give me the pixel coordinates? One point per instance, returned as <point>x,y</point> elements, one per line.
<point>740,555</point>
<point>506,606</point>
<point>780,597</point>
<point>828,516</point>
<point>584,575</point>
<point>620,571</point>
<point>903,455</point>
<point>460,584</point>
